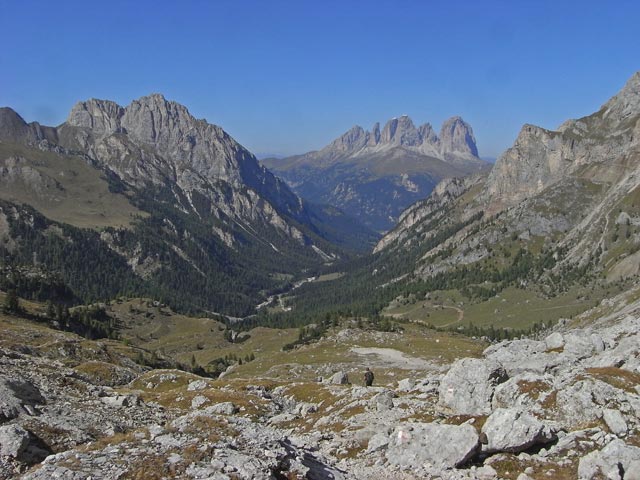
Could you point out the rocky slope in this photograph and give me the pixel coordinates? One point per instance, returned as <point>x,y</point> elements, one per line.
<point>375,174</point>
<point>574,191</point>
<point>563,405</point>
<point>170,193</point>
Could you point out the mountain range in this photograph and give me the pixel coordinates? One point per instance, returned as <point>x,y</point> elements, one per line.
<point>374,175</point>
<point>147,198</point>
<point>555,224</point>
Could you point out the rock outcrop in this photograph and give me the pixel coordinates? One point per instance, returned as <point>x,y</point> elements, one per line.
<point>468,387</point>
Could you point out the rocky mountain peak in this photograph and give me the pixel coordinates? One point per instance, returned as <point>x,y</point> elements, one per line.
<point>400,131</point>
<point>101,116</point>
<point>354,139</point>
<point>456,135</point>
<point>625,103</point>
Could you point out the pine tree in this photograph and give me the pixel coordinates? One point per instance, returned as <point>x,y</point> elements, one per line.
<point>11,302</point>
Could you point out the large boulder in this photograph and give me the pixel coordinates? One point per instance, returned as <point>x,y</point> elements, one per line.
<point>14,440</point>
<point>514,430</point>
<point>554,341</point>
<point>383,401</point>
<point>468,387</point>
<point>443,446</point>
<point>615,421</point>
<point>614,460</point>
<point>528,390</point>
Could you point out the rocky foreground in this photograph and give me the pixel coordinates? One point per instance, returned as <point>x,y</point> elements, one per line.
<point>565,406</point>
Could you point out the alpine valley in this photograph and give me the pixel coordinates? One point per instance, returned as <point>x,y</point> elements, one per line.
<point>171,309</point>
<point>148,200</point>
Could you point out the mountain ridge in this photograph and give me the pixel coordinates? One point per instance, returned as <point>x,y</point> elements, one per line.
<point>197,205</point>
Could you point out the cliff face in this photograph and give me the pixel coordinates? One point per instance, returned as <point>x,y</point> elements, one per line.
<point>540,158</point>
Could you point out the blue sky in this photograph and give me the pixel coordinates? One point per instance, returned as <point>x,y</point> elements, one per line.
<point>289,76</point>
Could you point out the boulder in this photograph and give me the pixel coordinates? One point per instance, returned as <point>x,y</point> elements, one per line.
<point>519,356</point>
<point>615,421</point>
<point>514,430</point>
<point>197,385</point>
<point>524,390</point>
<point>468,387</point>
<point>16,397</point>
<point>129,400</point>
<point>383,401</point>
<point>443,446</point>
<point>614,458</point>
<point>339,378</point>
<point>223,408</point>
<point>14,440</point>
<point>198,401</point>
<point>406,385</point>
<point>555,341</point>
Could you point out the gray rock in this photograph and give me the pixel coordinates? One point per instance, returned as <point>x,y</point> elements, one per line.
<point>383,401</point>
<point>555,341</point>
<point>197,385</point>
<point>339,378</point>
<point>122,400</point>
<point>16,397</point>
<point>514,430</point>
<point>378,442</point>
<point>223,408</point>
<point>615,421</point>
<point>198,401</point>
<point>486,472</point>
<point>14,440</point>
<point>609,462</point>
<point>468,387</point>
<point>443,446</point>
<point>406,385</point>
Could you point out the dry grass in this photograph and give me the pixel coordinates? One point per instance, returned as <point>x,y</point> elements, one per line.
<point>511,466</point>
<point>616,377</point>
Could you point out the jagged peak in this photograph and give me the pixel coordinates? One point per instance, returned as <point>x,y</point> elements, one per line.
<point>625,103</point>
<point>101,116</point>
<point>456,135</point>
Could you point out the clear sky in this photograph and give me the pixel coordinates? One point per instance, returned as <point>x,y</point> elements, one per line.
<point>289,76</point>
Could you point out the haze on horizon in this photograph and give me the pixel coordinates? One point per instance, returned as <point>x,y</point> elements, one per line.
<point>286,77</point>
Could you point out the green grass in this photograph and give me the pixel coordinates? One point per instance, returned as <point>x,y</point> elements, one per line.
<point>512,308</point>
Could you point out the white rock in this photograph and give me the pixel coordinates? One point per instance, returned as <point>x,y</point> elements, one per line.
<point>615,421</point>
<point>197,385</point>
<point>413,445</point>
<point>468,387</point>
<point>514,430</point>
<point>608,462</point>
<point>555,341</point>
<point>198,401</point>
<point>406,385</point>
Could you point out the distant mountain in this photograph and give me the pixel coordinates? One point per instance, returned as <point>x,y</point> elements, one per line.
<point>174,205</point>
<point>374,175</point>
